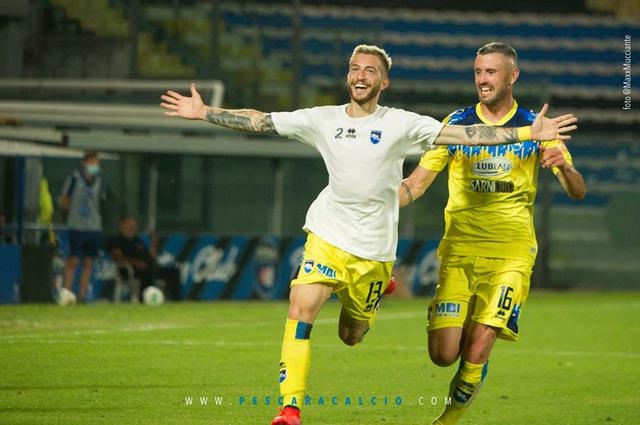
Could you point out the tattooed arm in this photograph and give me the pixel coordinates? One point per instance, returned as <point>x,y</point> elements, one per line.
<point>192,108</point>
<point>241,119</point>
<point>476,135</point>
<point>543,128</point>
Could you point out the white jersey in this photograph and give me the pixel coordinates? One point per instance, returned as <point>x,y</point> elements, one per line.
<point>358,211</point>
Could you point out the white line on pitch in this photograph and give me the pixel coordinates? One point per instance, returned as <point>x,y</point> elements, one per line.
<point>168,326</point>
<point>365,347</point>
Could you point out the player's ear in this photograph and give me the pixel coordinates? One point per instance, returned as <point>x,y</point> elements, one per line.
<point>385,83</point>
<point>515,73</point>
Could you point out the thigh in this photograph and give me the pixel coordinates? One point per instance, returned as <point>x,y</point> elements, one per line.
<point>75,243</point>
<point>322,263</point>
<point>306,301</point>
<point>361,297</point>
<point>444,345</point>
<point>451,302</point>
<point>91,243</point>
<point>500,294</point>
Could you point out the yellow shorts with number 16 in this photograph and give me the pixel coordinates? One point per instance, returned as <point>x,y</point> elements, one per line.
<point>491,291</point>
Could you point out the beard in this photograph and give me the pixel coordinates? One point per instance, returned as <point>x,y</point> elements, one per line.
<point>497,97</point>
<point>361,99</point>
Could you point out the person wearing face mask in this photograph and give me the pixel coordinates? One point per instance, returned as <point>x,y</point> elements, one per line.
<point>81,195</point>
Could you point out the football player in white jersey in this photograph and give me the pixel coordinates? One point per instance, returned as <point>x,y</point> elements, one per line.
<point>352,225</point>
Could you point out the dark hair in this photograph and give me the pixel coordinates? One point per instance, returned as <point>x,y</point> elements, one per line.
<point>499,47</point>
<point>89,155</point>
<point>127,217</point>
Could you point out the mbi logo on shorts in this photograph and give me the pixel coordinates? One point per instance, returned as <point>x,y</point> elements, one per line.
<point>447,309</point>
<point>326,270</point>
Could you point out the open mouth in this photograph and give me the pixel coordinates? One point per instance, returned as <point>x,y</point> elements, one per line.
<point>360,87</point>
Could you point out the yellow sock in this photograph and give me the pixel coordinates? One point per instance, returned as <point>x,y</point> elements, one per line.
<point>462,391</point>
<point>294,362</point>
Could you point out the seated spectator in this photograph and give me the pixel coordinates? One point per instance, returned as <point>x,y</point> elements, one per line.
<point>128,248</point>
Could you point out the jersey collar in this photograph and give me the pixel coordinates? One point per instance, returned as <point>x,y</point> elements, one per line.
<point>500,122</point>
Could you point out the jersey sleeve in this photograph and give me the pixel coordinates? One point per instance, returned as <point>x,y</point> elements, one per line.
<point>422,131</point>
<point>436,159</point>
<point>297,125</point>
<point>563,148</point>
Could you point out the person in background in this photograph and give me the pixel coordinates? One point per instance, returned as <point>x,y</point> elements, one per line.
<point>81,196</point>
<point>128,249</point>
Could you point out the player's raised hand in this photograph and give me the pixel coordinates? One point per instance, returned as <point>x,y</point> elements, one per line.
<point>544,128</point>
<point>177,105</point>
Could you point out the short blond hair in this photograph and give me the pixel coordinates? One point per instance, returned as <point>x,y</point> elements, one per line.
<point>370,49</point>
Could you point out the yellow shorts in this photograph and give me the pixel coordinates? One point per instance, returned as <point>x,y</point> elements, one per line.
<point>358,282</point>
<point>490,291</point>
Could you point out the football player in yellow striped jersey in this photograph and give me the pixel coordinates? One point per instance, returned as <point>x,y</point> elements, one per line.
<point>489,245</point>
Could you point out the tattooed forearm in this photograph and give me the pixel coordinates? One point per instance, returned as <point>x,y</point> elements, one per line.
<point>265,125</point>
<point>229,120</point>
<point>491,135</point>
<point>244,120</point>
<point>475,135</point>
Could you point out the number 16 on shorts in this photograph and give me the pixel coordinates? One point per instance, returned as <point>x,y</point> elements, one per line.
<point>505,300</point>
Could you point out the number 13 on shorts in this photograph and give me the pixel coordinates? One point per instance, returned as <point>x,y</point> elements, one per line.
<point>374,296</point>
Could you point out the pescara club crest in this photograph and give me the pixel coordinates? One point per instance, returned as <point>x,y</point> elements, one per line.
<point>375,136</point>
<point>308,266</point>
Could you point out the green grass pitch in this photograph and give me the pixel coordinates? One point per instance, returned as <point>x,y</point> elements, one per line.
<point>577,362</point>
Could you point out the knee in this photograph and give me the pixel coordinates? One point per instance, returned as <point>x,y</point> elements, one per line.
<point>443,358</point>
<point>350,338</point>
<point>72,262</point>
<point>297,309</point>
<point>351,331</point>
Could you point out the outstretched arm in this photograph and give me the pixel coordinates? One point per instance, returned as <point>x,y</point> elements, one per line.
<point>543,128</point>
<point>570,179</point>
<point>415,185</point>
<point>192,108</point>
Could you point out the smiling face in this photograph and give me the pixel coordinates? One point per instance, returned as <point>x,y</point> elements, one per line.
<point>366,78</point>
<point>495,75</point>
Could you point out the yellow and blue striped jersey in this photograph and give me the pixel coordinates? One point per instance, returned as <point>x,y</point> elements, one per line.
<point>492,190</point>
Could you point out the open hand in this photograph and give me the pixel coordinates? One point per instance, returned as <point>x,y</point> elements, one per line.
<point>177,105</point>
<point>544,128</point>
